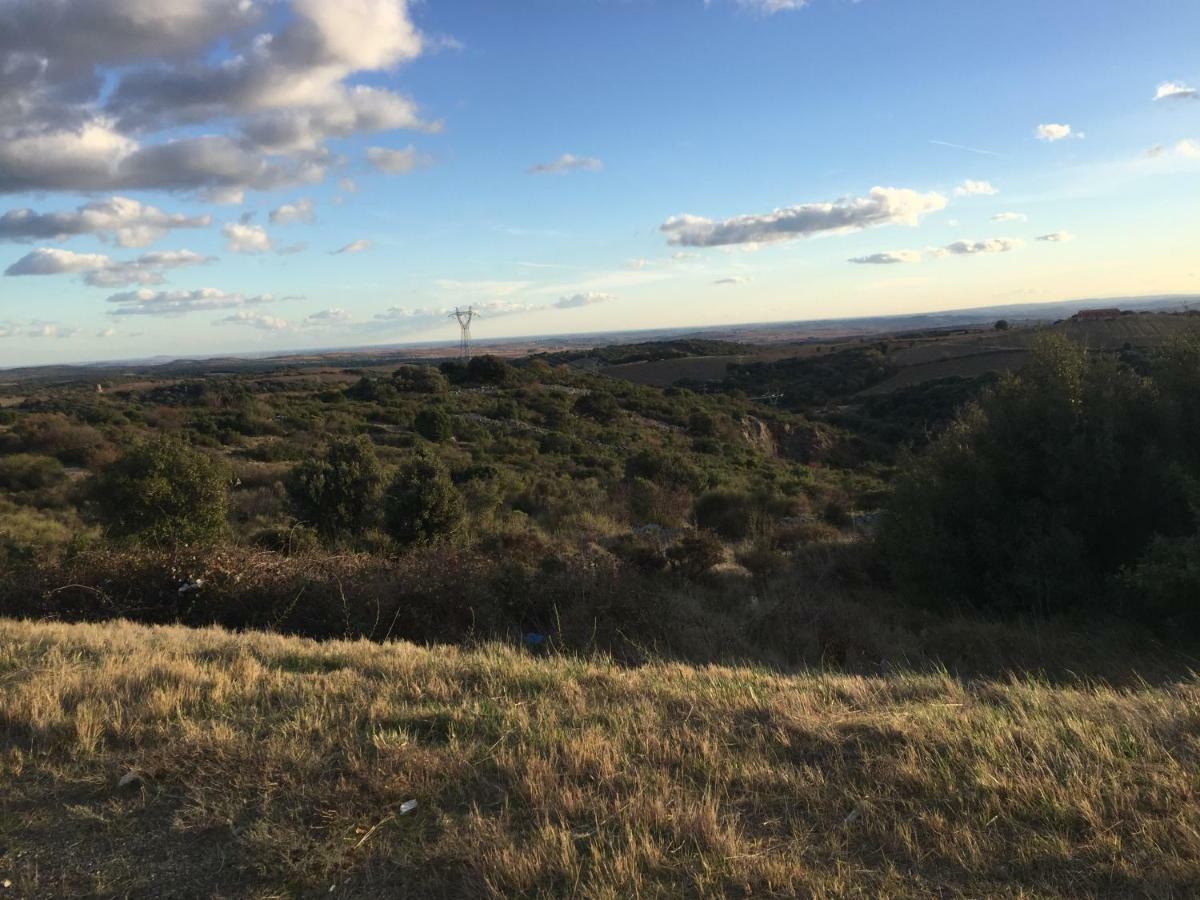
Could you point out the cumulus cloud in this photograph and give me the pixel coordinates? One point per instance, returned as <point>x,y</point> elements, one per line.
<point>1010,217</point>
<point>53,261</point>
<point>397,162</point>
<point>354,247</point>
<point>973,248</point>
<point>1176,90</point>
<point>50,330</point>
<point>1056,237</point>
<point>91,91</point>
<point>1188,148</point>
<point>242,237</point>
<point>120,219</point>
<point>588,298</point>
<point>888,258</point>
<point>102,271</point>
<point>1054,132</point>
<point>255,320</point>
<point>291,213</point>
<point>145,302</point>
<point>971,188</point>
<point>883,206</point>
<point>568,162</point>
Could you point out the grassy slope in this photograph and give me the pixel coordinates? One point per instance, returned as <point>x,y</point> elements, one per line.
<point>275,766</point>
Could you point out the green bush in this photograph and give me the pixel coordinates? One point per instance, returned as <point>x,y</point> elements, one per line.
<point>421,503</point>
<point>433,423</point>
<point>26,472</point>
<point>163,492</point>
<point>420,380</point>
<point>730,514</point>
<point>1041,493</point>
<point>489,370</point>
<point>337,490</point>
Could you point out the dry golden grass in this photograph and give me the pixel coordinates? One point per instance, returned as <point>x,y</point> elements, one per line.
<point>273,766</point>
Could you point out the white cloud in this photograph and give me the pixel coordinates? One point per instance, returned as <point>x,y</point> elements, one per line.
<point>973,248</point>
<point>242,237</point>
<point>354,247</point>
<point>397,162</point>
<point>50,330</point>
<point>94,90</point>
<point>53,261</point>
<point>733,279</point>
<point>568,162</point>
<point>175,303</point>
<point>883,206</point>
<point>1057,237</point>
<point>1010,217</point>
<point>128,222</point>
<point>1053,132</point>
<point>255,320</point>
<point>589,298</point>
<point>970,188</point>
<point>770,7</point>
<point>1188,148</point>
<point>888,258</point>
<point>334,316</point>
<point>102,271</point>
<point>1176,90</point>
<point>291,213</point>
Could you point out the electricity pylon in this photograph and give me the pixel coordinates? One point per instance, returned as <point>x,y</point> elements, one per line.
<point>464,317</point>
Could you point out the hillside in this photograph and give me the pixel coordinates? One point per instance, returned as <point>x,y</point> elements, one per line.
<point>166,762</point>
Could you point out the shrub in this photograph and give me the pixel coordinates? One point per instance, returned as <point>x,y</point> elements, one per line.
<point>729,513</point>
<point>433,423</point>
<point>597,405</point>
<point>163,492</point>
<point>695,554</point>
<point>1037,497</point>
<point>421,503</point>
<point>338,489</point>
<point>26,472</point>
<point>420,380</point>
<point>489,370</point>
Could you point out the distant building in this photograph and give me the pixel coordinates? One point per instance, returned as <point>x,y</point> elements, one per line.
<point>1087,315</point>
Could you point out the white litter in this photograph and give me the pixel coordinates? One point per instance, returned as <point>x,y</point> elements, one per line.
<point>407,806</point>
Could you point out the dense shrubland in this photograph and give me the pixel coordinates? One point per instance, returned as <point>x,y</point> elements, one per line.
<point>503,499</point>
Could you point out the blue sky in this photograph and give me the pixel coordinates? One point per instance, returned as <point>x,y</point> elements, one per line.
<point>576,166</point>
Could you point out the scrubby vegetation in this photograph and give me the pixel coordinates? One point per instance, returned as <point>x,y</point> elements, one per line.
<point>959,619</point>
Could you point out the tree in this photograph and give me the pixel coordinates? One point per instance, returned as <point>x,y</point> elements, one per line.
<point>1040,494</point>
<point>337,490</point>
<point>1001,325</point>
<point>421,503</point>
<point>489,370</point>
<point>420,380</point>
<point>163,492</point>
<point>433,424</point>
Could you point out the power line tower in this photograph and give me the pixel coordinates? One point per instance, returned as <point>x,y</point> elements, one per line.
<point>464,316</point>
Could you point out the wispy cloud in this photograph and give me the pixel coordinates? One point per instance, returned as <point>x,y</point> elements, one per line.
<point>397,162</point>
<point>568,162</point>
<point>888,258</point>
<point>964,147</point>
<point>353,247</point>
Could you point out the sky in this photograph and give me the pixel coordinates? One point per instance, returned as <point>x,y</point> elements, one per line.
<point>185,177</point>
